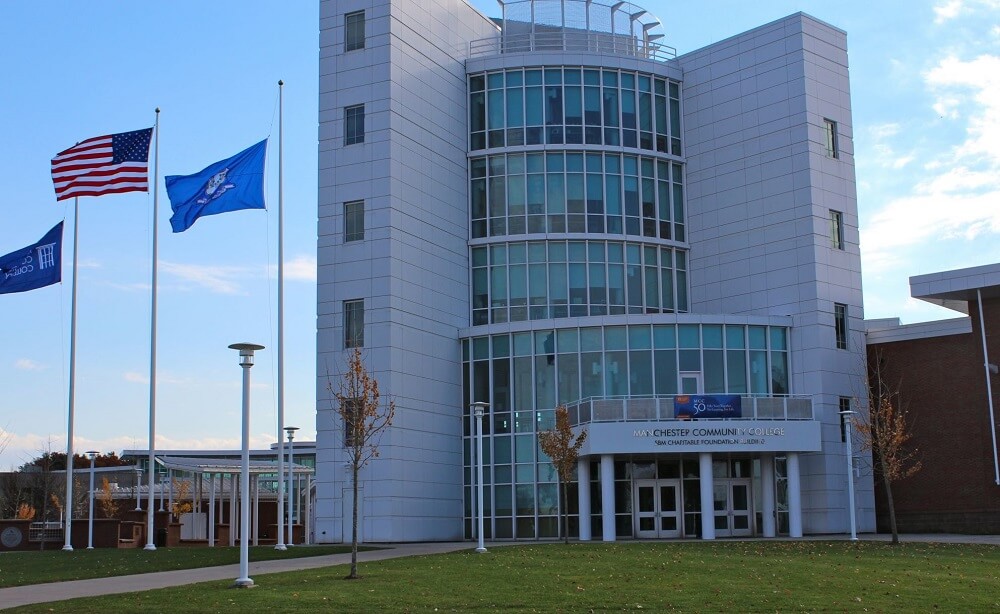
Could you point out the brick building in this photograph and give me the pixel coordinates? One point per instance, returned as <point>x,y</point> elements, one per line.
<point>945,384</point>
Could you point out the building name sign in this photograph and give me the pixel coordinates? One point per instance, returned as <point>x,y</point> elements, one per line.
<point>710,436</point>
<point>684,436</point>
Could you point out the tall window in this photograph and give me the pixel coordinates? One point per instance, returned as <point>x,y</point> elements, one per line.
<point>830,132</point>
<point>354,124</point>
<point>352,410</point>
<point>354,221</point>
<point>845,419</point>
<point>354,323</point>
<point>837,229</point>
<point>354,31</point>
<point>840,324</point>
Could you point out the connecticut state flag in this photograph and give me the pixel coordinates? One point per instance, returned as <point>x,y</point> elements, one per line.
<point>228,185</point>
<point>35,266</point>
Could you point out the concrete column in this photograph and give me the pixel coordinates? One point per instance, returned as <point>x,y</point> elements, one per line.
<point>583,497</point>
<point>767,494</point>
<point>232,509</point>
<point>608,497</point>
<point>256,509</point>
<point>707,495</point>
<point>211,511</point>
<point>794,496</point>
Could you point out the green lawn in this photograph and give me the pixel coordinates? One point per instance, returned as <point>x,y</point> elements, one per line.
<point>27,567</point>
<point>724,576</point>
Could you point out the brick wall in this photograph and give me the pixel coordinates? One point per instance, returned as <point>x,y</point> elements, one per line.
<point>943,389</point>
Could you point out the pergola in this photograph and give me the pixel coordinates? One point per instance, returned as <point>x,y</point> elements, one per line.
<point>215,479</point>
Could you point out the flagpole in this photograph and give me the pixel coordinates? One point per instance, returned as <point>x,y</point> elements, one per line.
<point>68,545</point>
<point>281,330</point>
<point>150,545</point>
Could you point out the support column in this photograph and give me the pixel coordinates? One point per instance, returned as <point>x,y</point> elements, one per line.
<point>794,496</point>
<point>583,497</point>
<point>767,495</point>
<point>232,509</point>
<point>211,511</point>
<point>256,509</point>
<point>707,495</point>
<point>607,497</point>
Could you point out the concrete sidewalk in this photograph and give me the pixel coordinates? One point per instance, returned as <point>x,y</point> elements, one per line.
<point>59,591</point>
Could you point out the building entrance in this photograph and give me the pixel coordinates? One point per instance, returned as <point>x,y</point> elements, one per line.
<point>733,507</point>
<point>657,505</point>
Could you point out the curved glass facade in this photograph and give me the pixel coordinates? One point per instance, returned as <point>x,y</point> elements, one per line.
<point>555,105</point>
<point>534,280</point>
<point>559,192</point>
<point>525,375</point>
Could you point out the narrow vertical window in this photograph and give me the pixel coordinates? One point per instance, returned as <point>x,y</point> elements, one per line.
<point>840,324</point>
<point>845,419</point>
<point>354,31</point>
<point>830,134</point>
<point>352,422</point>
<point>354,124</point>
<point>354,221</point>
<point>354,323</point>
<point>837,229</point>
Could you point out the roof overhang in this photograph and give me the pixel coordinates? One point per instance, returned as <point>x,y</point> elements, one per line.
<point>955,289</point>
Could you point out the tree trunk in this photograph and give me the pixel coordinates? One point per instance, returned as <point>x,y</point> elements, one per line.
<point>565,511</point>
<point>354,525</point>
<point>889,501</point>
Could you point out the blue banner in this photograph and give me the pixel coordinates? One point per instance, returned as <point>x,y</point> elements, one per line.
<point>228,185</point>
<point>691,406</point>
<point>35,266</point>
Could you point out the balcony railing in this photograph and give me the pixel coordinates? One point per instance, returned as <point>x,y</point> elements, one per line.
<point>571,41</point>
<point>661,409</point>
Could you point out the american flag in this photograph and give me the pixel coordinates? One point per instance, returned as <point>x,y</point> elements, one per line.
<point>103,165</point>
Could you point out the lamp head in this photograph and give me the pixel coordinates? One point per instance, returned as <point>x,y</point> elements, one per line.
<point>92,454</point>
<point>479,407</point>
<point>246,351</point>
<point>290,431</point>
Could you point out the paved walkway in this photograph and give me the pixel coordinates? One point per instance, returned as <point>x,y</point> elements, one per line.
<point>58,591</point>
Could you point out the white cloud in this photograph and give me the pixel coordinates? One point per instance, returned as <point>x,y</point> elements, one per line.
<point>949,9</point>
<point>27,364</point>
<point>218,279</point>
<point>138,378</point>
<point>301,268</point>
<point>958,194</point>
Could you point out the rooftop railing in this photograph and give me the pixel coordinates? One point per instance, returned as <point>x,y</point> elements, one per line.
<point>661,409</point>
<point>571,41</point>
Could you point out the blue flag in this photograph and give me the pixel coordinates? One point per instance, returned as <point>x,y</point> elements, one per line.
<point>228,185</point>
<point>35,266</point>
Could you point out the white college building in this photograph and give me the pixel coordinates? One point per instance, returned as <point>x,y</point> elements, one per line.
<point>555,207</point>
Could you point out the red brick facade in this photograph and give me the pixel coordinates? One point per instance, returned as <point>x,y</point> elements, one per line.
<point>943,388</point>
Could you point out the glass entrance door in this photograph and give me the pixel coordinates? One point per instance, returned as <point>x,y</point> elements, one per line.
<point>657,505</point>
<point>733,509</point>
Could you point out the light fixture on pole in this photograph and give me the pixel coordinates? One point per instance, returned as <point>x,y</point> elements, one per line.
<point>477,409</point>
<point>246,351</point>
<point>290,430</point>
<point>845,415</point>
<point>91,454</point>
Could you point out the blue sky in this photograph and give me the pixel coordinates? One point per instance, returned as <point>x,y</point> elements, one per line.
<point>926,97</point>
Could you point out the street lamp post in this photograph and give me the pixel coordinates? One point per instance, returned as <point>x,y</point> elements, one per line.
<point>290,430</point>
<point>246,351</point>
<point>92,454</point>
<point>848,427</point>
<point>477,409</point>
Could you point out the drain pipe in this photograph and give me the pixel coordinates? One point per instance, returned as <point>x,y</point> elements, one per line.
<point>989,388</point>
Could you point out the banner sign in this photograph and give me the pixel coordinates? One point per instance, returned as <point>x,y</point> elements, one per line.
<point>690,406</point>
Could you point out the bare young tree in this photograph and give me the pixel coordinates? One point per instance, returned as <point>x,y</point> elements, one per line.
<point>563,448</point>
<point>885,433</point>
<point>365,419</point>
